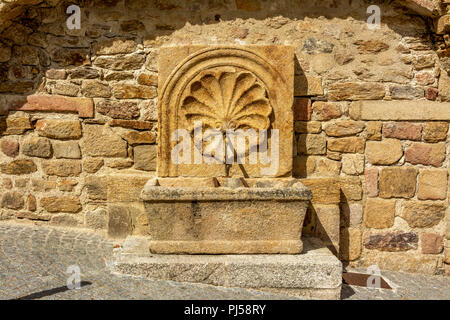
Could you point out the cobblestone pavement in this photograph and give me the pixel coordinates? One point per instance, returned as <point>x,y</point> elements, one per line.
<point>34,262</point>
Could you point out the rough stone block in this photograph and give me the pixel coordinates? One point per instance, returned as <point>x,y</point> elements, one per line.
<point>423,214</point>
<point>379,214</point>
<point>426,154</point>
<point>385,152</point>
<point>59,129</point>
<point>398,182</point>
<point>432,184</point>
<point>431,243</point>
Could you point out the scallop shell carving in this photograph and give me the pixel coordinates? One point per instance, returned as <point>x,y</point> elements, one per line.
<point>229,100</point>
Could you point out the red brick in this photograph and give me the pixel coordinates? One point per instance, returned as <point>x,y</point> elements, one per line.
<point>302,109</point>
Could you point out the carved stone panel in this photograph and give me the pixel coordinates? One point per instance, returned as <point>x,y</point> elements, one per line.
<point>226,102</point>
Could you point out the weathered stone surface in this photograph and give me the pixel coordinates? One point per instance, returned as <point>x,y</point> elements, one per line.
<point>10,148</point>
<point>31,203</point>
<point>43,185</point>
<point>84,73</point>
<point>18,167</point>
<point>131,124</point>
<point>59,129</point>
<point>120,62</point>
<point>120,222</point>
<point>13,200</point>
<point>37,147</point>
<point>402,261</point>
<point>379,214</point>
<point>55,103</point>
<point>398,182</point>
<point>431,243</point>
<point>145,157</point>
<point>371,181</point>
<point>118,109</point>
<point>400,110</point>
<point>67,185</point>
<point>129,91</point>
<point>147,79</point>
<point>324,190</point>
<point>97,188</point>
<point>61,204</point>
<point>385,152</point>
<point>371,46</point>
<point>62,168</point>
<point>115,46</point>
<point>392,241</point>
<point>426,154</point>
<point>351,188</point>
<point>100,141</point>
<point>56,74</point>
<point>92,165</point>
<point>351,214</point>
<point>435,131</point>
<point>402,130</point>
<point>353,164</point>
<point>311,144</point>
<point>16,126</point>
<point>95,89</point>
<point>324,111</point>
<point>66,150</point>
<point>64,220</point>
<point>276,112</point>
<point>120,163</point>
<point>126,188</point>
<point>97,219</point>
<point>136,137</point>
<point>432,184</point>
<point>421,214</point>
<point>63,88</point>
<point>356,91</point>
<point>307,127</point>
<point>350,244</point>
<point>308,86</point>
<point>406,92</point>
<point>302,109</point>
<point>347,145</point>
<point>344,128</point>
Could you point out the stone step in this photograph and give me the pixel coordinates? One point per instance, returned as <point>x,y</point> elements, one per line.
<point>315,274</point>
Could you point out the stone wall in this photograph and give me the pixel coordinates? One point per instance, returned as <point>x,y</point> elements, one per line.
<point>79,114</point>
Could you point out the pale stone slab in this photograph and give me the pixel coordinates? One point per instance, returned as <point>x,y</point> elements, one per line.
<point>315,274</point>
<point>400,110</point>
<point>225,87</point>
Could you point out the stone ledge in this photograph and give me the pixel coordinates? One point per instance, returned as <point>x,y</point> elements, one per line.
<point>314,274</point>
<point>47,103</point>
<point>421,110</point>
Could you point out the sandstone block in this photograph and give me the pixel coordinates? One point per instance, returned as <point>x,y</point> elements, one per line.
<point>385,152</point>
<point>324,111</point>
<point>92,165</point>
<point>392,241</point>
<point>421,214</point>
<point>346,145</point>
<point>350,244</point>
<point>62,168</point>
<point>129,91</point>
<point>435,131</point>
<point>351,214</point>
<point>13,200</point>
<point>371,181</point>
<point>145,157</point>
<point>402,131</point>
<point>344,128</point>
<point>311,144</point>
<point>10,148</point>
<point>59,129</point>
<point>16,126</point>
<point>351,188</point>
<point>426,154</point>
<point>95,89</point>
<point>97,187</point>
<point>37,147</point>
<point>307,127</point>
<point>120,62</point>
<point>118,109</point>
<point>432,184</point>
<point>100,141</point>
<point>353,164</point>
<point>431,243</point>
<point>398,182</point>
<point>379,214</point>
<point>97,219</point>
<point>66,150</point>
<point>18,167</point>
<point>131,124</point>
<point>308,86</point>
<point>302,109</point>
<point>61,204</point>
<point>135,137</point>
<point>356,91</point>
<point>324,190</point>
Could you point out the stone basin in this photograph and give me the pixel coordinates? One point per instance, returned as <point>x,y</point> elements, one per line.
<point>225,215</point>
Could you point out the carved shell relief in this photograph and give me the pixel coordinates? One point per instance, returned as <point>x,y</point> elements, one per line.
<point>227,100</point>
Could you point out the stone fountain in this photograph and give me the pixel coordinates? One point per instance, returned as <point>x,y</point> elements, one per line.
<point>224,208</point>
